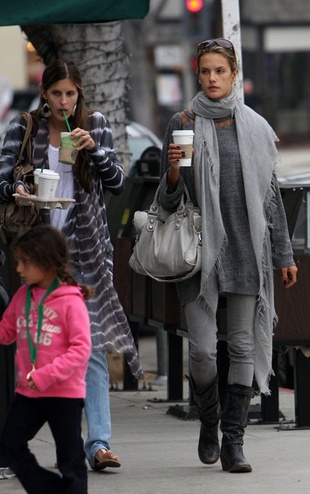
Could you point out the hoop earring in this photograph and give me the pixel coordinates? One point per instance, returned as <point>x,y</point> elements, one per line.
<point>46,111</point>
<point>74,110</point>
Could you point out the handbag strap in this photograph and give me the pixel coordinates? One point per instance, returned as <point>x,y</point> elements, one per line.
<point>26,141</point>
<point>185,203</point>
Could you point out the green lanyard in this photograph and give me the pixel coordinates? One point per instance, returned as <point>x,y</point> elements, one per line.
<point>34,348</point>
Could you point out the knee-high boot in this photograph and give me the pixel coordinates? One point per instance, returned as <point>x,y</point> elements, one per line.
<point>207,403</point>
<point>233,422</point>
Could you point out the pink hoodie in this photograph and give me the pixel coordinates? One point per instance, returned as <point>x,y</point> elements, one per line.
<point>64,347</point>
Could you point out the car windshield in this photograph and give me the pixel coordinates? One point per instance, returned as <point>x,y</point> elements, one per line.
<point>137,145</point>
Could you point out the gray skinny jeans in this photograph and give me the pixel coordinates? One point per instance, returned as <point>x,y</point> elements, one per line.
<point>202,331</point>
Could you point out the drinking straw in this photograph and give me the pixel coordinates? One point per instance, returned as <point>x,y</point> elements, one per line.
<point>66,120</point>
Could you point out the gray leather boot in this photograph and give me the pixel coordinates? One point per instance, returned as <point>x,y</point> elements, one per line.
<point>233,422</point>
<point>207,403</point>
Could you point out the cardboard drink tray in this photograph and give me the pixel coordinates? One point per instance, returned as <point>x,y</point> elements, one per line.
<point>55,203</point>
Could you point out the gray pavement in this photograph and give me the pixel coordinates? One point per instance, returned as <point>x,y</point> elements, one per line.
<point>159,451</point>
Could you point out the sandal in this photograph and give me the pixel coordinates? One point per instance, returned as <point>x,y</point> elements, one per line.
<point>103,460</point>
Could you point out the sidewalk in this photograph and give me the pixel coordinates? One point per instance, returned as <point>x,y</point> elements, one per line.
<point>159,451</point>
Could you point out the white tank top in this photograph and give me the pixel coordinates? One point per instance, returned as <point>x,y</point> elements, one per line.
<point>65,188</point>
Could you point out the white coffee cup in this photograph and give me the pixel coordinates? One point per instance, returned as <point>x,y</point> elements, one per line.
<point>184,139</point>
<point>46,182</point>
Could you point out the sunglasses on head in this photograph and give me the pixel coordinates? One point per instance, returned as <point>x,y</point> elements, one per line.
<point>224,43</point>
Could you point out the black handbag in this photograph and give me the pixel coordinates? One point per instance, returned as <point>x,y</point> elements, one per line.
<point>14,218</point>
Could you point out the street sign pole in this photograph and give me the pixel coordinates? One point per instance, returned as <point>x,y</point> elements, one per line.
<point>232,31</point>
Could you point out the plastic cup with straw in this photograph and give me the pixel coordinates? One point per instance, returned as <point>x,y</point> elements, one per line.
<point>67,150</point>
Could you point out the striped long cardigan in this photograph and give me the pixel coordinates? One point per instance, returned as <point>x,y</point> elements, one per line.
<point>86,228</point>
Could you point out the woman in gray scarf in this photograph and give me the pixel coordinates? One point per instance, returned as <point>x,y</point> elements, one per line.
<point>232,179</point>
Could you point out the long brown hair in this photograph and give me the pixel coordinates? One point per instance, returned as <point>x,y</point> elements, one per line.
<point>57,71</point>
<point>47,247</point>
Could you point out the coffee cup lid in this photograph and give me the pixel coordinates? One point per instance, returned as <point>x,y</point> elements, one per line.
<point>183,132</point>
<point>46,172</point>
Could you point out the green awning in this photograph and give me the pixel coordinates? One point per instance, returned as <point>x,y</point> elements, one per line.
<point>22,12</point>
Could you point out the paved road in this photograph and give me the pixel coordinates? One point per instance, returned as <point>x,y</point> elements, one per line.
<point>159,451</point>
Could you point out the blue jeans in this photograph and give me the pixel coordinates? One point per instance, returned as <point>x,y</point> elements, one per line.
<point>97,402</point>
<point>97,406</point>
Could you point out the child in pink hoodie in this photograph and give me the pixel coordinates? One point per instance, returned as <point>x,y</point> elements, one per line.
<point>48,319</point>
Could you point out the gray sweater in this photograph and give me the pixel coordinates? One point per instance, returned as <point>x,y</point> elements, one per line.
<point>237,271</point>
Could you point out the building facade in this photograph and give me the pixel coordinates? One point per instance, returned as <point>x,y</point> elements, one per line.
<point>275,41</point>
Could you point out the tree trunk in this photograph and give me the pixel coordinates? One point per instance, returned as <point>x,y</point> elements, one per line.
<point>98,51</point>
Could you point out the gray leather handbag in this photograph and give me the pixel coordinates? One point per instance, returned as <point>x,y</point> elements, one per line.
<point>168,244</point>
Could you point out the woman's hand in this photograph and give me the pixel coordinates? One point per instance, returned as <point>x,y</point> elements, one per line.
<point>85,141</point>
<point>20,189</point>
<point>174,155</point>
<point>289,276</point>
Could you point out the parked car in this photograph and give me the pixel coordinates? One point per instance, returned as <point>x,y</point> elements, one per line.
<point>140,138</point>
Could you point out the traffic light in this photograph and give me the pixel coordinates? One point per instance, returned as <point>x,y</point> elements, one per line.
<point>197,18</point>
<point>194,5</point>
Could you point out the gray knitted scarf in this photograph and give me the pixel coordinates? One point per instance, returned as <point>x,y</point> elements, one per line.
<point>258,156</point>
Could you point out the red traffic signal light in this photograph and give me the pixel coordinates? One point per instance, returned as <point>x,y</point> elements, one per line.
<point>197,17</point>
<point>194,5</point>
